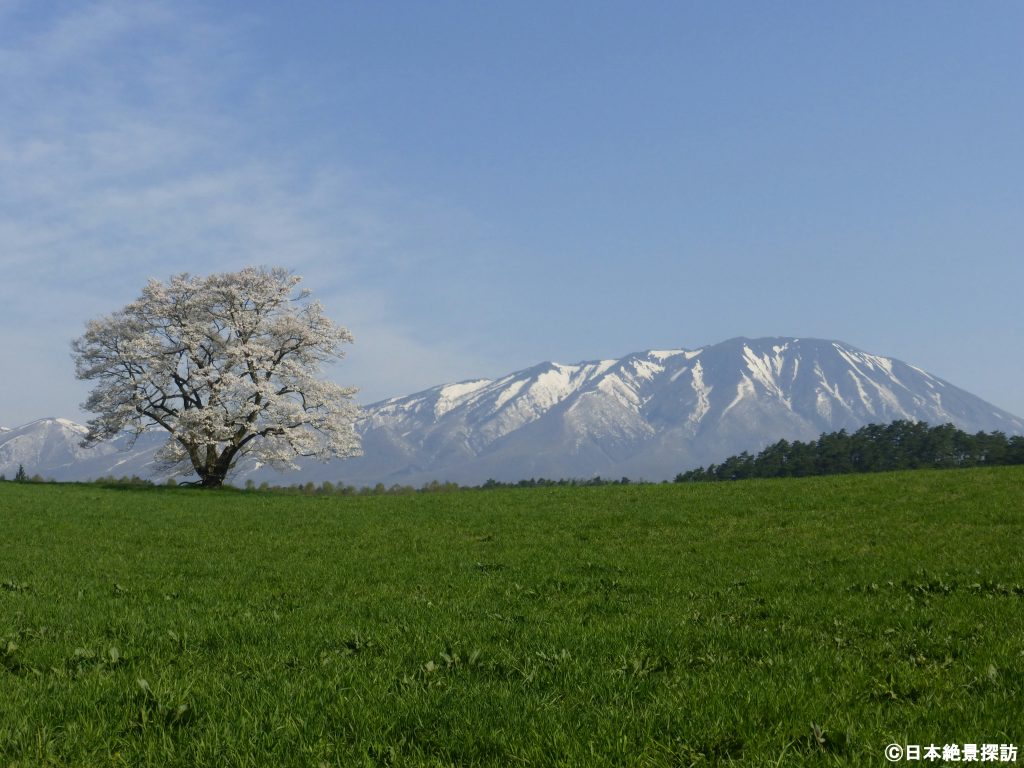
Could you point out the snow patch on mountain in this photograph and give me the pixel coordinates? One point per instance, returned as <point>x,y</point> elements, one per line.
<point>452,395</point>
<point>702,391</point>
<point>743,389</point>
<point>508,393</point>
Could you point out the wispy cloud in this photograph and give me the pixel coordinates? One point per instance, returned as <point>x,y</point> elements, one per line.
<point>119,162</point>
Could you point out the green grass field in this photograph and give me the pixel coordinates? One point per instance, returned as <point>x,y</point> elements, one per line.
<point>785,622</point>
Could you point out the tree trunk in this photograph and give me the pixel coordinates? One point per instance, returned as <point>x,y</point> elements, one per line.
<point>215,469</point>
<point>212,480</point>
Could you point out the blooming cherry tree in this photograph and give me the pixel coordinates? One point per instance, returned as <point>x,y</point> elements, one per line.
<point>228,365</point>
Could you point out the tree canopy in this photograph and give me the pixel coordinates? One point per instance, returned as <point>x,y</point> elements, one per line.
<point>228,364</point>
<point>874,448</point>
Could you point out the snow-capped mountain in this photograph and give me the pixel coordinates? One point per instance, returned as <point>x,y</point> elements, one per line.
<point>651,414</point>
<point>44,442</point>
<point>52,448</point>
<point>647,415</point>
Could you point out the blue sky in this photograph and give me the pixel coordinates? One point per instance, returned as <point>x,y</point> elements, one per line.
<point>474,188</point>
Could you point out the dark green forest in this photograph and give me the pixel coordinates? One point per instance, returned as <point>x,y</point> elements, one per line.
<point>874,448</point>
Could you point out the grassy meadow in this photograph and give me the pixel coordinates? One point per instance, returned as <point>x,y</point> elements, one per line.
<point>774,622</point>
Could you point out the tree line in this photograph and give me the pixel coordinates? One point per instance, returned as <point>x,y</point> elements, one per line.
<point>327,488</point>
<point>874,448</point>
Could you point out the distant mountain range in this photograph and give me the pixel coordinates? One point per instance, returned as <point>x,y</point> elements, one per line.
<point>648,415</point>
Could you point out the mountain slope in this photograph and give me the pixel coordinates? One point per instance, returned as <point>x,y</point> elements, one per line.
<point>651,414</point>
<point>647,415</point>
<point>51,448</point>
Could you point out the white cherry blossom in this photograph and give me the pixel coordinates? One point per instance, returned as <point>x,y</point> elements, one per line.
<point>228,364</point>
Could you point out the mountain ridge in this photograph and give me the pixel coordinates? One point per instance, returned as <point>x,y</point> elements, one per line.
<point>654,410</point>
<point>646,415</point>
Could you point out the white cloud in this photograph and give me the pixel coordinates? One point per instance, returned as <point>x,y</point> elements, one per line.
<point>117,164</point>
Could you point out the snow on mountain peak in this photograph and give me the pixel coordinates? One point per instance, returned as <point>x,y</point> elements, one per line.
<point>458,391</point>
<point>552,386</point>
<point>451,395</point>
<point>764,368</point>
<point>664,354</point>
<point>51,421</point>
<point>67,423</point>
